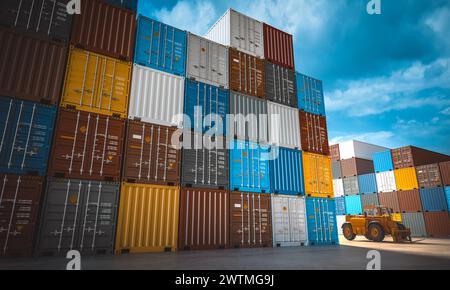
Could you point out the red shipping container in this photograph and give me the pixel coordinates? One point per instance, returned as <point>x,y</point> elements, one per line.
<point>437,224</point>
<point>278,47</point>
<point>409,201</point>
<point>445,173</point>
<point>314,133</point>
<point>411,156</point>
<point>390,200</point>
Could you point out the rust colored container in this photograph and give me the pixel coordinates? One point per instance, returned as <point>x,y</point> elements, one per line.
<point>31,68</point>
<point>87,146</point>
<point>203,219</point>
<point>278,47</point>
<point>356,166</point>
<point>411,156</point>
<point>19,206</point>
<point>150,156</point>
<point>437,224</point>
<point>105,29</point>
<point>390,200</point>
<point>409,201</point>
<point>334,152</point>
<point>445,173</point>
<point>246,74</point>
<point>314,133</point>
<point>250,220</point>
<point>428,175</point>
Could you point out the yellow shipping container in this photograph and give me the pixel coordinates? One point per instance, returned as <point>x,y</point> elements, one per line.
<point>97,83</point>
<point>406,178</point>
<point>317,173</point>
<point>148,218</point>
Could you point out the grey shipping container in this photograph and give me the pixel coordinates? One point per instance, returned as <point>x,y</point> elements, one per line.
<point>369,199</point>
<point>351,186</point>
<point>336,168</point>
<point>280,85</point>
<point>78,215</point>
<point>416,223</point>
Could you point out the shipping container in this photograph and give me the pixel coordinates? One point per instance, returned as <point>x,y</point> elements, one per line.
<point>317,175</point>
<point>336,169</point>
<point>406,178</point>
<point>445,173</point>
<point>409,201</point>
<point>416,223</point>
<point>204,219</point>
<point>411,156</point>
<point>87,146</point>
<point>382,161</point>
<point>207,107</point>
<point>47,18</point>
<point>280,85</point>
<point>289,221</point>
<point>250,220</point>
<point>356,166</point>
<point>367,183</point>
<point>447,197</point>
<point>437,224</point>
<point>207,61</point>
<point>148,218</point>
<point>250,118</point>
<point>204,162</point>
<point>334,152</point>
<point>338,187</point>
<point>105,29</point>
<point>240,32</point>
<point>369,199</point>
<point>150,155</point>
<point>358,149</point>
<point>286,172</point>
<point>340,205</point>
<point>321,219</point>
<point>32,68</point>
<point>351,186</point>
<point>340,219</point>
<point>428,175</point>
<point>78,215</point>
<point>353,205</point>
<point>433,199</point>
<point>19,206</point>
<point>160,46</point>
<point>156,97</point>
<point>26,129</point>
<point>314,133</point>
<point>310,95</point>
<point>386,181</point>
<point>284,127</point>
<point>127,4</point>
<point>247,73</point>
<point>278,47</point>
<point>391,200</point>
<point>250,168</point>
<point>97,84</point>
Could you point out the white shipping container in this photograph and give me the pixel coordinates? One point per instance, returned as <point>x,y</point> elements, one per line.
<point>284,131</point>
<point>156,97</point>
<point>289,221</point>
<point>386,181</point>
<point>358,149</point>
<point>239,31</point>
<point>340,220</point>
<point>338,187</point>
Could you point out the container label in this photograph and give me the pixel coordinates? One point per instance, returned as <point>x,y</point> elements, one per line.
<point>138,137</point>
<point>237,205</point>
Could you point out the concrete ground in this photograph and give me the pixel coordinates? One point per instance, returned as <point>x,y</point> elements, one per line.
<point>426,254</point>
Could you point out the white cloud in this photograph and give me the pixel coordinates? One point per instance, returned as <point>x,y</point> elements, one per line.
<point>446,111</point>
<point>431,127</point>
<point>379,138</point>
<point>438,22</point>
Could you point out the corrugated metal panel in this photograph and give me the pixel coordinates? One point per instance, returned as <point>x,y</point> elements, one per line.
<point>148,218</point>
<point>314,133</point>
<point>321,218</point>
<point>351,186</point>
<point>409,201</point>
<point>369,199</point>
<point>410,156</point>
<point>249,167</point>
<point>437,224</point>
<point>338,187</point>
<point>207,61</point>
<point>247,74</point>
<point>382,161</point>
<point>96,83</point>
<point>160,46</point>
<point>317,175</point>
<point>433,199</point>
<point>429,175</point>
<point>367,183</point>
<point>406,179</point>
<point>356,166</point>
<point>250,118</point>
<point>207,107</point>
<point>336,168</point>
<point>353,205</point>
<point>447,195</point>
<point>284,127</point>
<point>289,221</point>
<point>148,89</point>
<point>280,85</point>
<point>445,173</point>
<point>78,215</point>
<point>26,76</point>
<point>386,181</point>
<point>204,219</point>
<point>358,149</point>
<point>278,46</point>
<point>128,4</point>
<point>286,172</point>
<point>310,95</point>
<point>26,129</point>
<point>390,200</point>
<point>416,223</point>
<point>41,17</point>
<point>105,29</point>
<point>334,152</point>
<point>340,205</point>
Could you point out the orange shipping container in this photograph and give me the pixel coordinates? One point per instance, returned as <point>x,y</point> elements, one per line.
<point>317,173</point>
<point>406,178</point>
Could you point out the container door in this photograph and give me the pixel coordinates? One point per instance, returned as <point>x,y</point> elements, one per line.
<point>262,223</point>
<point>240,220</point>
<point>195,54</point>
<point>281,216</point>
<point>297,220</point>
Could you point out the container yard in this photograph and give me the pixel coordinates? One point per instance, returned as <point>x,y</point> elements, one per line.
<point>141,145</point>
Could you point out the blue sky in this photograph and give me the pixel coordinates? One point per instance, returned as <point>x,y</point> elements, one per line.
<point>386,77</point>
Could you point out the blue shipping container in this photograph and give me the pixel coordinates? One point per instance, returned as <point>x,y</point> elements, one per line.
<point>286,172</point>
<point>202,100</point>
<point>447,196</point>
<point>249,170</point>
<point>382,161</point>
<point>310,94</point>
<point>433,199</point>
<point>353,205</point>
<point>127,4</point>
<point>340,205</point>
<point>26,131</point>
<point>160,46</point>
<point>367,183</point>
<point>321,219</point>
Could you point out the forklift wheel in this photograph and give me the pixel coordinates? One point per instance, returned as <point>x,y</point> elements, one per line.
<point>348,232</point>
